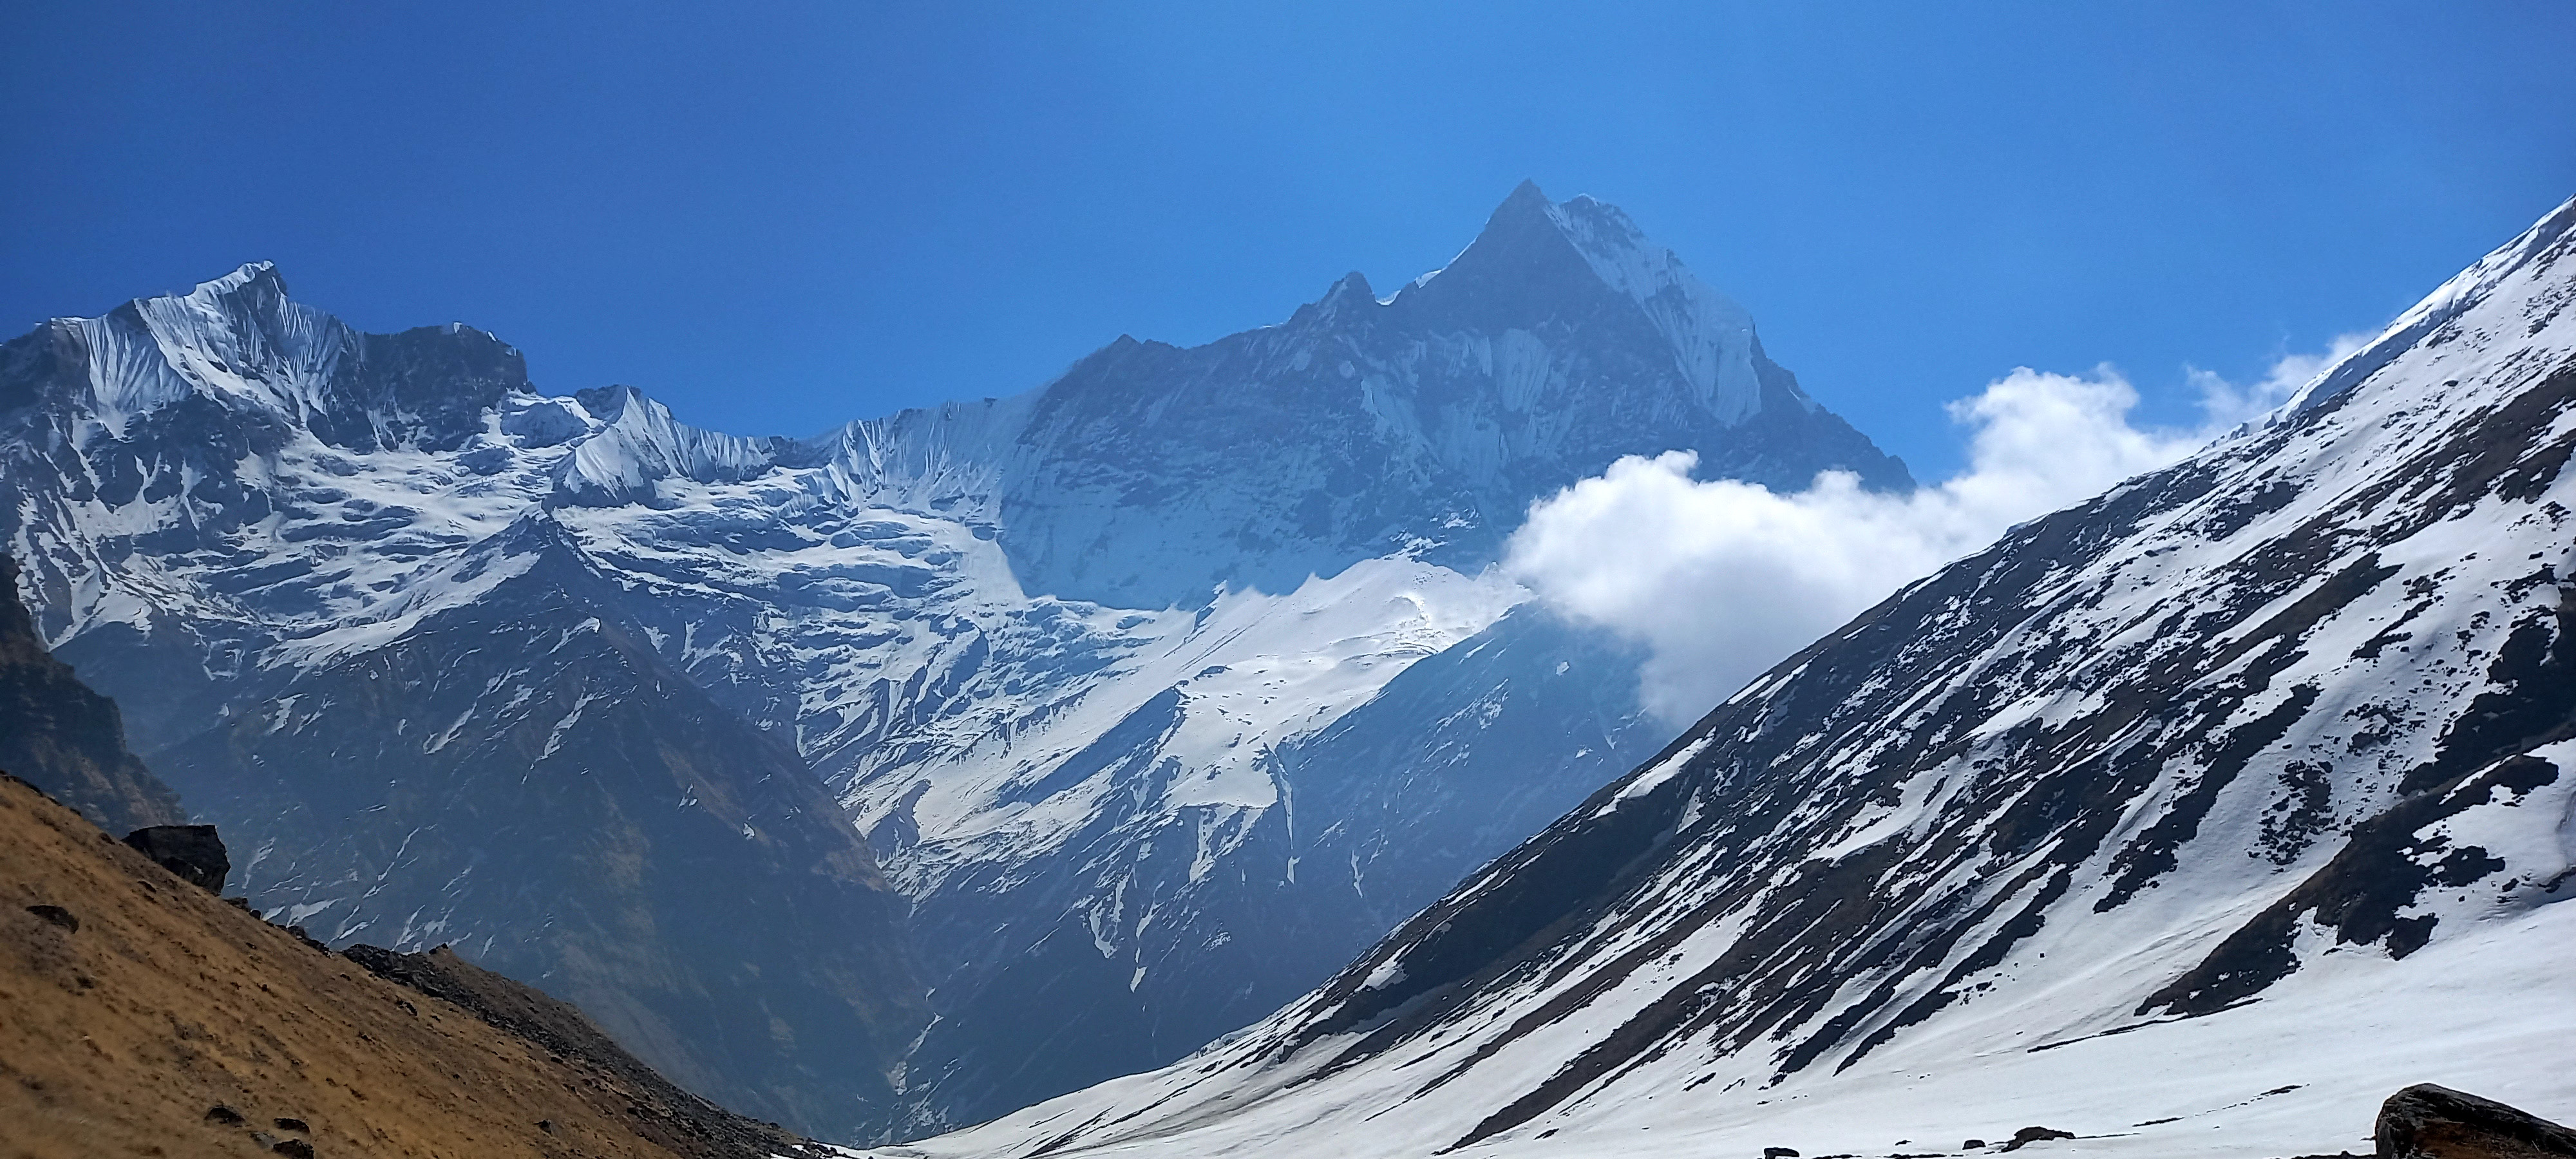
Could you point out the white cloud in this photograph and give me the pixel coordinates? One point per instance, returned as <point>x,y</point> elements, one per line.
<point>2229,405</point>
<point>1721,579</point>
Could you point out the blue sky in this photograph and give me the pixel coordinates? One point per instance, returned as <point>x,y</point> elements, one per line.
<point>777,217</point>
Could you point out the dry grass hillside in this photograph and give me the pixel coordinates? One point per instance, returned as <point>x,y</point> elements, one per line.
<point>121,1036</point>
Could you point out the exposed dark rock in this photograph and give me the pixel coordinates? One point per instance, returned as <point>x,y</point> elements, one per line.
<point>58,916</point>
<point>191,851</point>
<point>2430,1122</point>
<point>220,1115</point>
<point>2029,1135</point>
<point>1779,1153</point>
<point>1972,1144</point>
<point>292,1148</point>
<point>295,1125</point>
<point>63,738</point>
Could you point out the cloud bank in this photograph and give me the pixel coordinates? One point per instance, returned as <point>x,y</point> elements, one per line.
<point>1721,579</point>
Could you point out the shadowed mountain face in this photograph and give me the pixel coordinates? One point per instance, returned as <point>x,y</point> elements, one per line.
<point>1559,341</point>
<point>2230,798</point>
<point>1158,691</point>
<point>604,831</point>
<point>65,739</point>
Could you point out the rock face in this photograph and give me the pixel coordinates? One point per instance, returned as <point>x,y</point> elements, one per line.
<point>1169,685</point>
<point>62,737</point>
<point>2429,1122</point>
<point>193,852</point>
<point>2264,756</point>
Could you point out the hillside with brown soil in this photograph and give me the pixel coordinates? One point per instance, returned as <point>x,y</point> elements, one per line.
<point>134,1005</point>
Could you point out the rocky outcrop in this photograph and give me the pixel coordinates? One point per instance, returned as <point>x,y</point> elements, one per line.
<point>191,851</point>
<point>2430,1122</point>
<point>62,737</point>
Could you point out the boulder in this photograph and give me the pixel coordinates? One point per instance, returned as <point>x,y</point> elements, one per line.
<point>2429,1122</point>
<point>191,851</point>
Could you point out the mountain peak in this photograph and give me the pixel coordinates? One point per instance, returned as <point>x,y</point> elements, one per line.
<point>1541,263</point>
<point>1525,200</point>
<point>1533,240</point>
<point>252,280</point>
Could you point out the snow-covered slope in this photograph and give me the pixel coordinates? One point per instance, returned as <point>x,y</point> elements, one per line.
<point>1118,677</point>
<point>2192,820</point>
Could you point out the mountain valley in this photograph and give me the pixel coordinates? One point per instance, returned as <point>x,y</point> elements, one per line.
<point>895,778</point>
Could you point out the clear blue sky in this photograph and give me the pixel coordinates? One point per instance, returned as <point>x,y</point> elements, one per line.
<point>781,216</point>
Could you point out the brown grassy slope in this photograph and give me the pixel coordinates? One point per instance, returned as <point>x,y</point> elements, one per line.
<point>117,1038</point>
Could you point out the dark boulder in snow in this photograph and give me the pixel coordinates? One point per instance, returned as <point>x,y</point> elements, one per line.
<point>2429,1122</point>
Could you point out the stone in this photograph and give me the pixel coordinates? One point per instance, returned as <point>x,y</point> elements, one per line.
<point>58,916</point>
<point>220,1115</point>
<point>191,851</point>
<point>2029,1135</point>
<point>2425,1121</point>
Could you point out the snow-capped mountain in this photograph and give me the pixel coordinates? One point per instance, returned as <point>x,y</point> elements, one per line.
<point>2191,820</point>
<point>1157,692</point>
<point>314,568</point>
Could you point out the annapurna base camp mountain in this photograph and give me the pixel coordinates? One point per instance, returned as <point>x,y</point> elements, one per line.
<point>2181,822</point>
<point>899,777</point>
